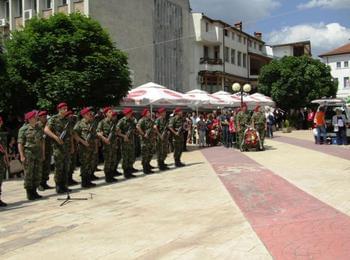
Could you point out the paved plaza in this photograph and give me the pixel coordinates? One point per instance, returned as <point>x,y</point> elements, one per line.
<point>291,201</point>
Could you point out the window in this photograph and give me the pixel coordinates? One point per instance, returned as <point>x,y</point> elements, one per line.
<point>346,64</point>
<point>217,52</point>
<point>260,47</point>
<point>207,27</point>
<point>244,60</point>
<point>239,38</point>
<point>227,54</point>
<point>250,43</point>
<point>19,8</point>
<point>233,56</point>
<point>254,45</point>
<point>239,58</point>
<point>64,2</point>
<point>225,32</point>
<point>206,52</point>
<point>346,82</point>
<point>244,40</point>
<point>338,65</point>
<point>233,36</point>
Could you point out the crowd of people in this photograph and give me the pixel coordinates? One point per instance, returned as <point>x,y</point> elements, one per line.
<point>66,140</point>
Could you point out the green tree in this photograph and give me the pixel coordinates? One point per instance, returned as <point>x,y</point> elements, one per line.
<point>293,82</point>
<point>67,58</point>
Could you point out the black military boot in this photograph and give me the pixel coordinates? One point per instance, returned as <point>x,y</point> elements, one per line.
<point>60,189</point>
<point>179,164</point>
<point>94,177</point>
<point>145,168</point>
<point>149,167</point>
<point>36,194</point>
<point>128,174</point>
<point>30,194</point>
<point>117,173</point>
<point>163,166</point>
<point>44,186</point>
<point>109,178</point>
<point>133,170</point>
<point>72,182</point>
<point>2,204</point>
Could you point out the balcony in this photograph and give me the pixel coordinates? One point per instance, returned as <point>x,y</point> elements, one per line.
<point>207,64</point>
<point>47,13</point>
<point>78,7</point>
<point>210,37</point>
<point>63,9</point>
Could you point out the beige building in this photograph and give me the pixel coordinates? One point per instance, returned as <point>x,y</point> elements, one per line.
<point>224,54</point>
<point>154,33</point>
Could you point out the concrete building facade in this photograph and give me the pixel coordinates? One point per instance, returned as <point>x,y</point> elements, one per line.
<point>339,61</point>
<point>152,32</point>
<point>295,49</point>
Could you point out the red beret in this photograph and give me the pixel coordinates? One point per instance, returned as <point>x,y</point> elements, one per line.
<point>61,105</point>
<point>177,110</point>
<point>127,110</point>
<point>42,113</point>
<point>161,110</point>
<point>85,111</point>
<point>256,109</point>
<point>30,115</point>
<point>144,112</point>
<point>106,109</point>
<point>115,113</point>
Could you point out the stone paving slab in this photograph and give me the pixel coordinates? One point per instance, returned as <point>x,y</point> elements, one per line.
<point>291,223</point>
<point>181,214</point>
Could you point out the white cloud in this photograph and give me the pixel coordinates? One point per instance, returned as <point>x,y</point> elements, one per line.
<point>329,4</point>
<point>323,37</point>
<point>232,11</point>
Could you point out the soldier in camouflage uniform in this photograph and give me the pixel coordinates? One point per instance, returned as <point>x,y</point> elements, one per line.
<point>259,123</point>
<point>48,153</point>
<point>59,130</point>
<point>145,128</point>
<point>107,132</point>
<point>32,152</point>
<point>242,119</point>
<point>161,127</point>
<point>126,128</point>
<point>85,135</point>
<point>74,155</point>
<point>176,127</point>
<point>4,161</point>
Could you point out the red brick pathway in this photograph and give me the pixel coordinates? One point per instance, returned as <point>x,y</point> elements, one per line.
<point>327,149</point>
<point>291,223</point>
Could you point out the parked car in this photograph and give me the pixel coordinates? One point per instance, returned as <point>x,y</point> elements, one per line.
<point>330,105</point>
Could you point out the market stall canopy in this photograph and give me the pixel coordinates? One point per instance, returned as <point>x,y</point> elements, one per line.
<point>201,98</point>
<point>263,100</point>
<point>153,94</point>
<point>227,98</point>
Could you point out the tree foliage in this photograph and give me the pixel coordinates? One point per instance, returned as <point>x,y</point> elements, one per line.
<point>66,58</point>
<point>294,82</point>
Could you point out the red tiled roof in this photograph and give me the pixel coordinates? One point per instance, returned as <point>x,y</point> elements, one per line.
<point>341,50</point>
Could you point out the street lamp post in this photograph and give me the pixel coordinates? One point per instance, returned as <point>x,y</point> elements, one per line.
<point>236,87</point>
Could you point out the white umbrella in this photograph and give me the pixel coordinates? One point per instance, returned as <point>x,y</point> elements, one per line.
<point>203,99</point>
<point>249,100</point>
<point>263,100</point>
<point>153,94</point>
<point>227,98</point>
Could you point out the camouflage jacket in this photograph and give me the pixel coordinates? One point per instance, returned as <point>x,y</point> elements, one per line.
<point>83,129</point>
<point>177,123</point>
<point>162,125</point>
<point>243,119</point>
<point>126,125</point>
<point>146,124</point>
<point>259,120</point>
<point>31,138</point>
<point>57,125</point>
<point>105,126</point>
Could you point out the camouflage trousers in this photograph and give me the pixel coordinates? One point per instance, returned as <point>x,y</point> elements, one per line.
<point>162,148</point>
<point>262,134</point>
<point>240,138</point>
<point>95,159</point>
<point>72,163</point>
<point>109,155</point>
<point>118,156</point>
<point>32,169</point>
<point>86,157</point>
<point>2,171</point>
<point>62,162</point>
<point>178,142</point>
<point>128,154</point>
<point>147,150</point>
<point>46,165</point>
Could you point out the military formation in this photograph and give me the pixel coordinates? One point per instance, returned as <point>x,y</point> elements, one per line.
<point>66,140</point>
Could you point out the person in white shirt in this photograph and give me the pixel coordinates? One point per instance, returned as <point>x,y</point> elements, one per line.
<point>339,124</point>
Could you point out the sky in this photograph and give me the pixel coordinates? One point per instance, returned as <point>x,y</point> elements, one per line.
<point>326,23</point>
